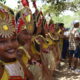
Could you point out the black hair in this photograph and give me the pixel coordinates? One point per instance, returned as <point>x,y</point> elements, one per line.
<point>17,16</point>
<point>61,24</point>
<point>11,11</point>
<point>76,25</point>
<point>42,26</point>
<point>51,22</point>
<point>35,28</point>
<point>37,46</point>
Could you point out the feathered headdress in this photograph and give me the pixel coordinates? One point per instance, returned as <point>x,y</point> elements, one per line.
<point>7,22</point>
<point>25,3</point>
<point>24,20</point>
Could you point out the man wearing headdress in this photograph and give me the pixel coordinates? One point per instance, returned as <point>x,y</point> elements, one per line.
<point>11,67</point>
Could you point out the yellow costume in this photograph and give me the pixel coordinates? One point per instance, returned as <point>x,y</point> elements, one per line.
<point>33,46</point>
<point>15,70</point>
<point>46,53</point>
<point>25,55</point>
<point>56,47</point>
<point>36,68</point>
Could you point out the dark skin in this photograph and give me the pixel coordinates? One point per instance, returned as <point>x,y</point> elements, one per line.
<point>25,37</point>
<point>75,60</point>
<point>28,43</point>
<point>76,25</point>
<point>25,40</point>
<point>8,48</point>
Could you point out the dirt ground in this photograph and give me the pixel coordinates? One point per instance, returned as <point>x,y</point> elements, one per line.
<point>66,74</point>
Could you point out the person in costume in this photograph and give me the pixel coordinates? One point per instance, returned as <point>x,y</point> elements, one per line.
<point>45,43</point>
<point>11,67</point>
<point>40,35</point>
<point>28,42</point>
<point>24,24</point>
<point>35,64</point>
<point>60,32</point>
<point>54,38</point>
<point>41,24</point>
<point>45,57</point>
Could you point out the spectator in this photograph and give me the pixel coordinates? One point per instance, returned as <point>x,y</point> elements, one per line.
<point>73,57</point>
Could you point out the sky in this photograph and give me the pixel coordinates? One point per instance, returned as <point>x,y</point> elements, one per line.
<point>13,4</point>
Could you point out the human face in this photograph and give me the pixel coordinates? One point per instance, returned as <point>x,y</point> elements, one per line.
<point>8,48</point>
<point>76,25</point>
<point>25,37</point>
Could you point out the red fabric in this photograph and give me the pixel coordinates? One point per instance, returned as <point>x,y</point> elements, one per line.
<point>46,27</point>
<point>16,78</point>
<point>25,3</point>
<point>39,22</point>
<point>40,19</point>
<point>13,21</point>
<point>34,4</point>
<point>36,12</point>
<point>41,13</point>
<point>21,23</point>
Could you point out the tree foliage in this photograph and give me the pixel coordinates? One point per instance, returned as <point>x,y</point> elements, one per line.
<point>3,1</point>
<point>57,6</point>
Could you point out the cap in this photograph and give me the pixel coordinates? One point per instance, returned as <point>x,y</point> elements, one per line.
<point>75,21</point>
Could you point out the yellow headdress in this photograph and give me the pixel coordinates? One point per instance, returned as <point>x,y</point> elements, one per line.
<point>7,24</point>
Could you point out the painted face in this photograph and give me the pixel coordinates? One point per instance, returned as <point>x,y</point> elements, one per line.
<point>8,47</point>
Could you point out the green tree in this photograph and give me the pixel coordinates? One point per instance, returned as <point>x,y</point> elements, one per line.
<point>57,6</point>
<point>3,1</point>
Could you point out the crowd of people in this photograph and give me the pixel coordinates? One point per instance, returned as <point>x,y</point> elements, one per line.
<point>31,48</point>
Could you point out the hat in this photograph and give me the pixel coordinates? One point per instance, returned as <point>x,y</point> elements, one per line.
<point>7,22</point>
<point>75,21</point>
